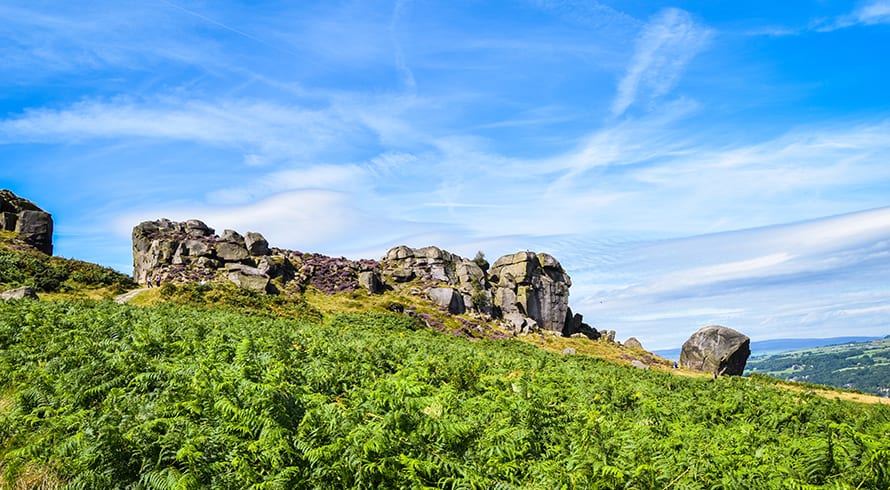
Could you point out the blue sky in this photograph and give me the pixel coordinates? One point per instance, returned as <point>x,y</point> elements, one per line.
<point>689,163</point>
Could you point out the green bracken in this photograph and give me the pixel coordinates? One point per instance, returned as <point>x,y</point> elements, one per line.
<point>100,395</point>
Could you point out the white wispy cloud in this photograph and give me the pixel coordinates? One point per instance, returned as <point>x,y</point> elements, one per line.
<point>666,45</point>
<point>337,178</point>
<point>784,280</point>
<point>40,41</point>
<point>315,216</point>
<point>259,128</point>
<point>589,13</point>
<point>661,179</point>
<point>875,12</point>
<point>869,13</point>
<point>401,63</point>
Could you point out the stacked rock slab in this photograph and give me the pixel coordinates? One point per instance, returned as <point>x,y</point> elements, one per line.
<point>716,349</point>
<point>190,251</point>
<point>529,290</point>
<point>533,285</point>
<point>451,281</point>
<point>34,225</point>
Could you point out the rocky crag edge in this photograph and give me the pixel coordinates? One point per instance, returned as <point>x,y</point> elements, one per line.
<point>525,292</point>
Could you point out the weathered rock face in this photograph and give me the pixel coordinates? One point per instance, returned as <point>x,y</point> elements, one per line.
<point>189,251</point>
<point>249,277</point>
<point>22,216</point>
<point>432,267</point>
<point>534,285</point>
<point>575,327</point>
<point>716,349</point>
<point>528,290</point>
<point>449,299</point>
<point>169,250</point>
<point>370,280</point>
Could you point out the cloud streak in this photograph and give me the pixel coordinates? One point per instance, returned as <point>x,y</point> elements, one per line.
<point>810,268</point>
<point>870,13</point>
<point>666,45</point>
<point>401,64</point>
<point>253,126</point>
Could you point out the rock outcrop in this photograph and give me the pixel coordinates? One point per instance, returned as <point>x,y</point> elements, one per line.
<point>190,251</point>
<point>529,291</point>
<point>432,268</point>
<point>575,327</point>
<point>716,349</point>
<point>34,225</point>
<point>526,291</point>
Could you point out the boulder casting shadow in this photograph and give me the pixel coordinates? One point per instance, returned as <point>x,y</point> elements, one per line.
<point>716,349</point>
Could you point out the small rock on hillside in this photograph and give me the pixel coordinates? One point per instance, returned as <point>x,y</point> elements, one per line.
<point>19,293</point>
<point>633,343</point>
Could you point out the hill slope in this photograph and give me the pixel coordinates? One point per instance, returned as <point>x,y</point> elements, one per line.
<point>212,386</point>
<point>100,395</point>
<point>22,265</point>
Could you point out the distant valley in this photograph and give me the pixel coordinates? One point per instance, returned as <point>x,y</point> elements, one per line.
<point>776,346</point>
<point>861,366</point>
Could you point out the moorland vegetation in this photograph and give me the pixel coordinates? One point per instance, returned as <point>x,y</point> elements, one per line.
<point>234,394</point>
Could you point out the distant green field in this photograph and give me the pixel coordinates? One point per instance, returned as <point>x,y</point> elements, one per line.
<point>861,366</point>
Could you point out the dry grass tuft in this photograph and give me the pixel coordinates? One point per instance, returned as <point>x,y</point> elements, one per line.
<point>31,477</point>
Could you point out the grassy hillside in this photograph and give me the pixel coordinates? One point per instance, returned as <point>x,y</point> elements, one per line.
<point>211,386</point>
<point>863,366</point>
<point>21,265</point>
<point>100,395</point>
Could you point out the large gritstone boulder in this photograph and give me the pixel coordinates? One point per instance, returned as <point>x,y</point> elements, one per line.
<point>716,349</point>
<point>534,285</point>
<point>34,225</point>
